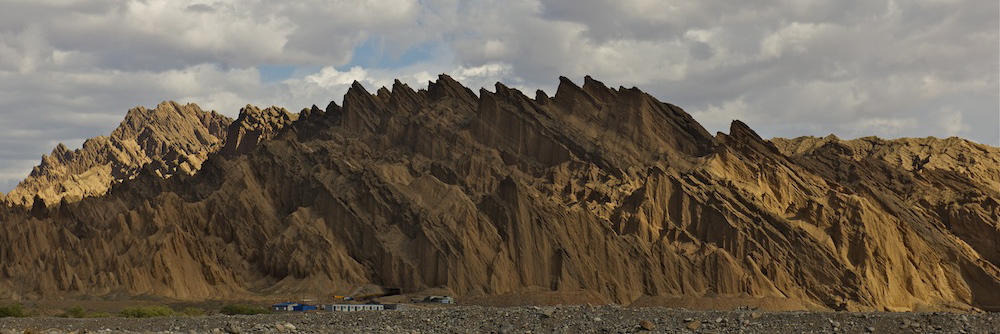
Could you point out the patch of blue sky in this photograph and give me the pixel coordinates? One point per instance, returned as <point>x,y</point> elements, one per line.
<point>278,73</point>
<point>275,73</point>
<point>373,53</point>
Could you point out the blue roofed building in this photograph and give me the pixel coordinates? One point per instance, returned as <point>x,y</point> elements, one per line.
<point>303,308</point>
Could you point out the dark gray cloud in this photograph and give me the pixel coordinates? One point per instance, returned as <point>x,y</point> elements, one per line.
<point>70,69</point>
<point>199,8</point>
<point>807,67</point>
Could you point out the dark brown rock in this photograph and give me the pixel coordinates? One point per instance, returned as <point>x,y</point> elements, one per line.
<point>594,195</point>
<point>254,126</point>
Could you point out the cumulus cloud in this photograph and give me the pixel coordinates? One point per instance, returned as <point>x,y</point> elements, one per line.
<point>70,69</point>
<point>799,67</point>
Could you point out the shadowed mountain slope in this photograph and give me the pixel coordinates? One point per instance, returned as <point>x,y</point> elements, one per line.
<point>597,191</point>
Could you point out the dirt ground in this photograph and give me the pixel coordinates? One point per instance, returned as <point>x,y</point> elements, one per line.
<point>526,319</point>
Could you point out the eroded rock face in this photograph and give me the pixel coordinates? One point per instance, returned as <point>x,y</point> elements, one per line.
<point>595,191</point>
<point>941,192</point>
<point>253,126</point>
<point>170,139</point>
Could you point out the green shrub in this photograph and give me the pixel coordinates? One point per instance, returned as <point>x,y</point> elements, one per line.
<point>147,312</point>
<point>75,312</point>
<point>14,310</point>
<point>233,309</point>
<point>192,311</point>
<point>80,312</point>
<point>99,314</point>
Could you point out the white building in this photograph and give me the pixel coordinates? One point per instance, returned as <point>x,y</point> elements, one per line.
<point>353,307</point>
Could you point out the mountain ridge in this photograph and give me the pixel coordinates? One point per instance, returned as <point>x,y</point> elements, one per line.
<point>601,191</point>
<point>173,138</point>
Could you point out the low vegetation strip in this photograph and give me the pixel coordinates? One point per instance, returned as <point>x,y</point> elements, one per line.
<point>80,312</point>
<point>14,310</point>
<point>147,312</point>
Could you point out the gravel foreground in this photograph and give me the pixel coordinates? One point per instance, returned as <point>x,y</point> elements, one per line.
<point>528,319</point>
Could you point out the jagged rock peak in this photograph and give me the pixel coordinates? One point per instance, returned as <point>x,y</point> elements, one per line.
<point>60,154</point>
<point>312,112</point>
<point>741,131</point>
<point>60,150</point>
<point>362,111</point>
<point>447,86</point>
<point>251,114</point>
<point>357,90</point>
<point>598,90</point>
<point>571,97</point>
<point>140,118</point>
<point>173,137</point>
<point>403,97</point>
<point>254,126</point>
<point>541,97</point>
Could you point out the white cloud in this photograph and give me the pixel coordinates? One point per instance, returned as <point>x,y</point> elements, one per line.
<point>161,32</point>
<point>329,76</point>
<point>720,116</point>
<point>23,50</point>
<point>489,71</point>
<point>883,126</point>
<point>792,39</point>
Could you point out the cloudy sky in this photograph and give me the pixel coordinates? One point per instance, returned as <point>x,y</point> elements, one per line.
<point>70,69</point>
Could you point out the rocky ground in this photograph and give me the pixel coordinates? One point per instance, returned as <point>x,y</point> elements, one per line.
<point>559,319</point>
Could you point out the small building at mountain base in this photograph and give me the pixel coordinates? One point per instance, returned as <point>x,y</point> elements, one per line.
<point>353,307</point>
<point>284,307</point>
<point>304,307</point>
